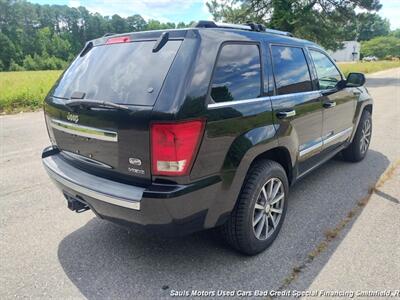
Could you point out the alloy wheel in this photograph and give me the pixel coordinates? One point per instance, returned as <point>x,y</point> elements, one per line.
<point>268,208</point>
<point>365,136</point>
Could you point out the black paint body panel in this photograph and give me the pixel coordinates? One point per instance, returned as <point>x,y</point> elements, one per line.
<point>235,134</point>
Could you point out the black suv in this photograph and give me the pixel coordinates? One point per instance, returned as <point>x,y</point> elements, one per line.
<point>183,130</point>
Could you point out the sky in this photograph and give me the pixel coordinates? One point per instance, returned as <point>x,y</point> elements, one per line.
<point>181,10</point>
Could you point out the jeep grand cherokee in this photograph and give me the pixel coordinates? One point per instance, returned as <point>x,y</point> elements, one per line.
<point>183,130</point>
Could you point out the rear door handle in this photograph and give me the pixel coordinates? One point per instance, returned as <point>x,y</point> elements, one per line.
<point>329,104</point>
<point>286,114</point>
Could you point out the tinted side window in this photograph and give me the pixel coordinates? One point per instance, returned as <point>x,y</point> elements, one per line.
<point>290,70</point>
<point>237,74</point>
<point>328,75</point>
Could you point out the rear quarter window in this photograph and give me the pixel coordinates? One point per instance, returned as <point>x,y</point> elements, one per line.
<point>125,73</point>
<point>237,74</point>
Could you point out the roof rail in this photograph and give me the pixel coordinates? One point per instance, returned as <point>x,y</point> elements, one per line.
<point>108,34</point>
<point>249,26</point>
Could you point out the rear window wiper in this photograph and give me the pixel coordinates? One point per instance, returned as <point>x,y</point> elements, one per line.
<point>95,103</point>
<point>161,41</point>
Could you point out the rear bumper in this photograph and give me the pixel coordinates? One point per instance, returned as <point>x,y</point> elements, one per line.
<point>165,208</point>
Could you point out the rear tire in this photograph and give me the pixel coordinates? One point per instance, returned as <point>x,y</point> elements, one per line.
<point>260,209</point>
<point>358,148</point>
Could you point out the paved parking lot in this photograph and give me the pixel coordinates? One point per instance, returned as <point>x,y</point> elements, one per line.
<point>48,251</point>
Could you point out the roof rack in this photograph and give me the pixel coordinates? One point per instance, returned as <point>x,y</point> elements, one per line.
<point>249,26</point>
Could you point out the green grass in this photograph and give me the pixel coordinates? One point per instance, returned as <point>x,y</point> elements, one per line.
<point>368,67</point>
<point>25,91</point>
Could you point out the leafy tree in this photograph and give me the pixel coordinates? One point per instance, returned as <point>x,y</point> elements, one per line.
<point>7,52</point>
<point>371,25</point>
<point>324,21</point>
<point>169,25</point>
<point>232,11</point>
<point>34,36</point>
<point>381,47</point>
<point>136,23</point>
<point>181,25</point>
<point>30,64</point>
<point>60,48</point>
<point>52,63</point>
<point>118,24</point>
<point>155,25</point>
<point>396,33</point>
<point>15,67</point>
<point>96,26</point>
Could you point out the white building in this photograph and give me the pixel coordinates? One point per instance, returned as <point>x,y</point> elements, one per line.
<point>349,52</point>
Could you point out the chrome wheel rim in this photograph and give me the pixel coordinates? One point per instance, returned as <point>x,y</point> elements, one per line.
<point>365,136</point>
<point>268,208</point>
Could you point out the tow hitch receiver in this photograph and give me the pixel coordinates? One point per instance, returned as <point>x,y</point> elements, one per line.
<point>75,204</point>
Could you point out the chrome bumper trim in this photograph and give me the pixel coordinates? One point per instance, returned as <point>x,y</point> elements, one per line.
<point>107,191</point>
<point>84,131</point>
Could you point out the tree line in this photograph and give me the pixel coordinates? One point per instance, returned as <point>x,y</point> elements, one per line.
<point>37,37</point>
<point>326,22</point>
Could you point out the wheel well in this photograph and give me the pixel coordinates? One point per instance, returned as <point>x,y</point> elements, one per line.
<point>281,156</point>
<point>369,108</point>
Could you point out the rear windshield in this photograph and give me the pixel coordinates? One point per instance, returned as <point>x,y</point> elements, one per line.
<point>126,73</point>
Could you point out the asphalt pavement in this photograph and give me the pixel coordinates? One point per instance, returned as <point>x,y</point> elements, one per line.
<point>367,261</point>
<point>46,251</point>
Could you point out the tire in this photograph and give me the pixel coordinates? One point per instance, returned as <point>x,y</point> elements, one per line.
<point>358,148</point>
<point>238,231</point>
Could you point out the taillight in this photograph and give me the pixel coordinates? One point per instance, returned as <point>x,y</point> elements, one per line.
<point>173,146</point>
<point>118,39</point>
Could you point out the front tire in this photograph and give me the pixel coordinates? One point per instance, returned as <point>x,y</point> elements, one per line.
<point>260,209</point>
<point>358,148</point>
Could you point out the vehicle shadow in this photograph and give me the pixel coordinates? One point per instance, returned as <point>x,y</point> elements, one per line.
<point>106,261</point>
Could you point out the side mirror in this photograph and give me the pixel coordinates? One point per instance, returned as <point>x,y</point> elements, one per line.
<point>355,80</point>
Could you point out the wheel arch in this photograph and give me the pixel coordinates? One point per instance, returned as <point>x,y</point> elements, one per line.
<point>368,107</point>
<point>280,155</point>
<point>236,180</point>
<point>365,105</point>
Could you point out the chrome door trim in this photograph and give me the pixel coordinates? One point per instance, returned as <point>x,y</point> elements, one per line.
<point>311,148</point>
<point>277,97</point>
<point>347,132</point>
<point>84,131</point>
<point>338,135</point>
<point>229,103</point>
<point>252,100</point>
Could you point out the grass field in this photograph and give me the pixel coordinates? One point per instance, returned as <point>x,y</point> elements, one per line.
<point>368,67</point>
<point>25,91</point>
